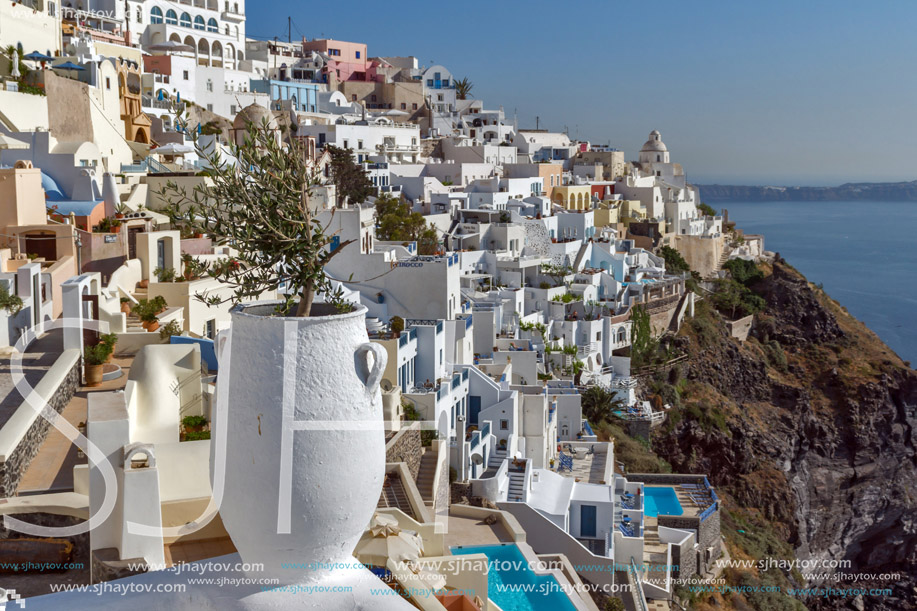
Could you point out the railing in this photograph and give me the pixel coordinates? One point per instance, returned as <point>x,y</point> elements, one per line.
<point>587,428</point>
<point>485,430</point>
<point>456,380</point>
<point>709,511</point>
<point>465,374</point>
<point>636,589</point>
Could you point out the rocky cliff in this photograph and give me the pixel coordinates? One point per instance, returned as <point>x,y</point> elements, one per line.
<point>808,431</point>
<point>878,191</point>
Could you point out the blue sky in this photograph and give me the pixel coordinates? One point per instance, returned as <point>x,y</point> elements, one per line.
<point>769,92</point>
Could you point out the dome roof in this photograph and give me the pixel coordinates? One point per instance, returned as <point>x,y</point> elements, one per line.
<point>254,114</point>
<point>654,144</point>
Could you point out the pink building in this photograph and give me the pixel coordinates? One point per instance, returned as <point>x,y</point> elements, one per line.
<point>347,60</point>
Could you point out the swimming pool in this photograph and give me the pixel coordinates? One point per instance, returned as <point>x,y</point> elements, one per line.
<point>661,500</point>
<point>507,568</point>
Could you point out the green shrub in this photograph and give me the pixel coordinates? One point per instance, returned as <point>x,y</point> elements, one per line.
<point>96,355</point>
<point>10,302</point>
<point>169,329</point>
<point>197,435</point>
<point>164,274</point>
<point>193,421</point>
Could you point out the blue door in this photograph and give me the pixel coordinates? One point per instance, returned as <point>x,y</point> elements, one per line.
<point>474,408</point>
<point>587,521</point>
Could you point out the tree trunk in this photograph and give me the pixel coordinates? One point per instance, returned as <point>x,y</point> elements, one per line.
<point>305,300</point>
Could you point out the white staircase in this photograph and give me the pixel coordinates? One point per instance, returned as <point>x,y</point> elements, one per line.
<point>516,487</point>
<point>496,458</point>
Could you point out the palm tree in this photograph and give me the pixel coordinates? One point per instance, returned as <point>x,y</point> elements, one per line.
<point>463,88</point>
<point>598,404</point>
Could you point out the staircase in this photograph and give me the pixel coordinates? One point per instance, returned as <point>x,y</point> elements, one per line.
<point>516,487</point>
<point>580,255</point>
<point>425,477</point>
<point>496,459</point>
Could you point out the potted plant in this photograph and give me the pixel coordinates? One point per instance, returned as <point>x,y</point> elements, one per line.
<point>150,320</point>
<point>126,305</point>
<point>286,363</point>
<point>121,210</point>
<point>93,359</point>
<point>169,329</point>
<point>109,340</point>
<point>193,424</point>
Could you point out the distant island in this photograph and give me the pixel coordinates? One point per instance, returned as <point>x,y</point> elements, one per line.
<point>867,191</point>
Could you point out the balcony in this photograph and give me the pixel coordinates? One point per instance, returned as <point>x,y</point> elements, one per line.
<point>232,16</point>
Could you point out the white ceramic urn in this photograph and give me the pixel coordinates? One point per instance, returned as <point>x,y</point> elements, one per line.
<point>304,445</point>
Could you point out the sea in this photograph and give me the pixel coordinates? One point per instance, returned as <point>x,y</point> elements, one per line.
<point>864,254</point>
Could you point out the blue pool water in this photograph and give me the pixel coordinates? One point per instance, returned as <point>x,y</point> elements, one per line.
<point>508,567</point>
<point>661,500</point>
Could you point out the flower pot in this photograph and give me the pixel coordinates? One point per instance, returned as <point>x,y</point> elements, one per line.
<point>118,215</point>
<point>153,326</point>
<point>144,324</point>
<point>93,375</point>
<point>144,284</point>
<point>126,307</point>
<point>301,483</point>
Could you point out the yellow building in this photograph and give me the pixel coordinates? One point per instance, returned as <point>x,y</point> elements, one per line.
<point>573,197</point>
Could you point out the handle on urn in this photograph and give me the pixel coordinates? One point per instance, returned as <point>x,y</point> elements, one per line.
<point>370,377</point>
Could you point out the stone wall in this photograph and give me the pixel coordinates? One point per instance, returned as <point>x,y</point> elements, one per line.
<point>406,447</point>
<point>685,558</point>
<point>701,253</point>
<point>12,469</point>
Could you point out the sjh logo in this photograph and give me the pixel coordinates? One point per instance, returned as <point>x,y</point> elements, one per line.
<point>10,596</point>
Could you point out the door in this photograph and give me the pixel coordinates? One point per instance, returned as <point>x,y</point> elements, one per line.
<point>132,241</point>
<point>587,521</point>
<point>161,254</point>
<point>474,408</point>
<point>90,312</point>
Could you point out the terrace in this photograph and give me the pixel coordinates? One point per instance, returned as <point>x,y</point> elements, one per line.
<point>586,462</point>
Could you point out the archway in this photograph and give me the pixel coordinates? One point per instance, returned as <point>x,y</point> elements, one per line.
<point>203,52</point>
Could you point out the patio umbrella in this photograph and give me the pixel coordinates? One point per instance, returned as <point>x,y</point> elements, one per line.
<point>385,541</point>
<point>36,56</point>
<point>173,148</point>
<point>431,579</point>
<point>171,45</point>
<point>9,143</point>
<point>68,66</point>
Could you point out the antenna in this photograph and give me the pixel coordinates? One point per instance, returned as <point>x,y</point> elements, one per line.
<point>289,30</point>
<point>537,122</point>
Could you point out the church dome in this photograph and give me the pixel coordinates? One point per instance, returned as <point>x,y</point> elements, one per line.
<point>654,144</point>
<point>255,115</point>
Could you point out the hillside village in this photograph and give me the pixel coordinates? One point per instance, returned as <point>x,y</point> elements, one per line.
<point>513,285</point>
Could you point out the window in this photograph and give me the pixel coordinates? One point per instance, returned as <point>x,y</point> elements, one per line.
<point>429,82</point>
<point>226,7</point>
<point>139,14</point>
<point>209,85</point>
<point>414,106</point>
<point>504,425</point>
<point>212,25</point>
<point>414,141</point>
<point>373,98</point>
<point>404,106</point>
<point>52,10</point>
<point>199,23</point>
<point>446,83</point>
<point>227,30</point>
<point>658,158</point>
<point>209,107</point>
<point>171,17</point>
<point>353,97</point>
<point>155,15</point>
<point>210,328</point>
<point>359,144</point>
<point>358,55</point>
<point>345,144</point>
<point>232,109</point>
<point>184,74</point>
<point>440,356</point>
<point>439,98</point>
<point>185,20</point>
<point>107,83</point>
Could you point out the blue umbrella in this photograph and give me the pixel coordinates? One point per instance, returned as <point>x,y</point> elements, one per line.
<point>68,66</point>
<point>37,56</point>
